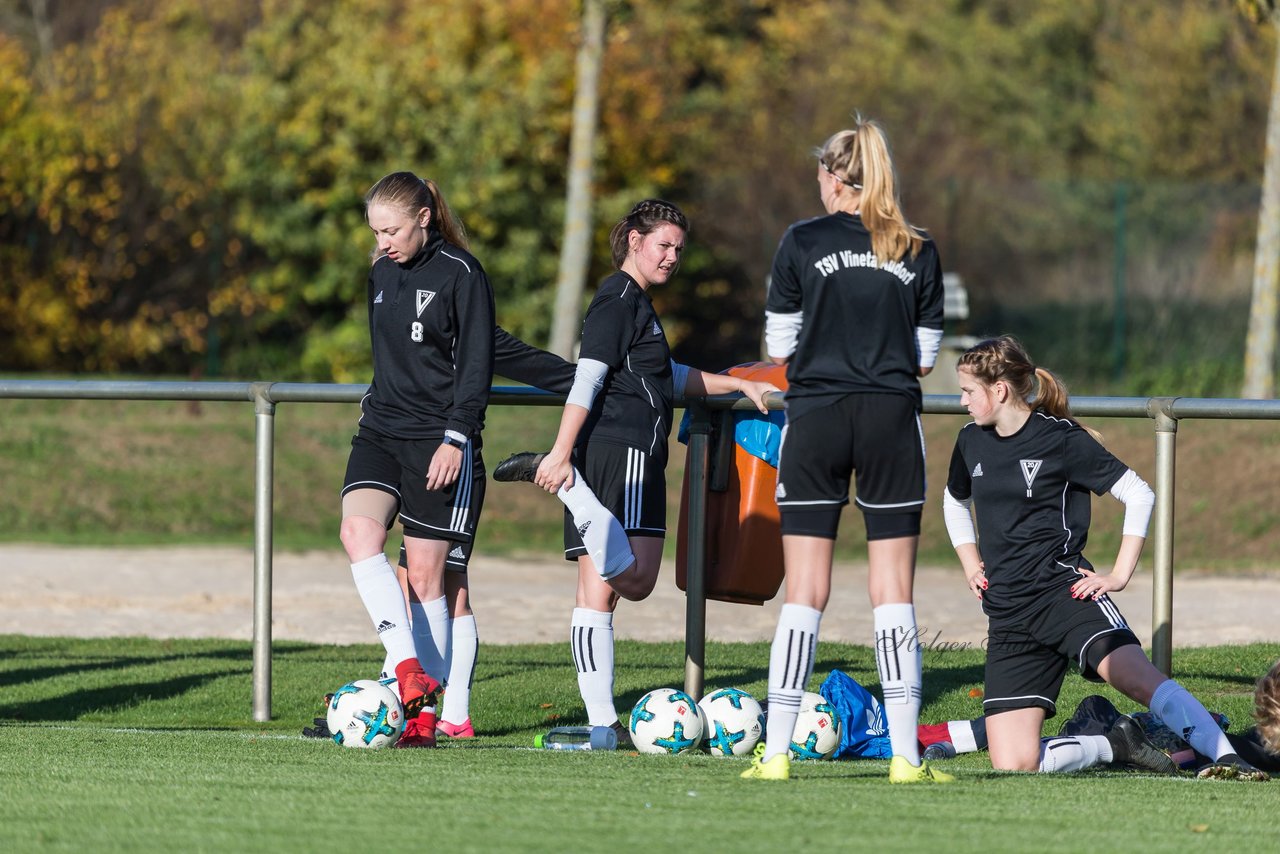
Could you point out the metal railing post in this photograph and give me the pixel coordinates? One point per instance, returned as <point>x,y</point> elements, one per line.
<point>695,620</point>
<point>1162,551</point>
<point>263,489</point>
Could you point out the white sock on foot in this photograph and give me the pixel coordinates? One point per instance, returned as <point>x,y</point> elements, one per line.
<point>898,662</point>
<point>790,666</point>
<point>601,533</point>
<point>384,600</point>
<point>462,668</point>
<point>591,638</point>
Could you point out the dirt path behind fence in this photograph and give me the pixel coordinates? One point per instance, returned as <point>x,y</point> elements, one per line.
<point>208,592</point>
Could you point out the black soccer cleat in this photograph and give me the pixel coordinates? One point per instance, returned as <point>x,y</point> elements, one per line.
<point>320,730</point>
<point>1094,716</point>
<point>518,467</point>
<point>1130,746</point>
<point>623,734</point>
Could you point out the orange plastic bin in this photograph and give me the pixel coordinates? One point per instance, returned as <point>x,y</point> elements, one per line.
<point>744,535</point>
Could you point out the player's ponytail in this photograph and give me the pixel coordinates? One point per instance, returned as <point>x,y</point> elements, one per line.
<point>645,217</point>
<point>409,194</point>
<point>860,158</point>
<point>1004,359</point>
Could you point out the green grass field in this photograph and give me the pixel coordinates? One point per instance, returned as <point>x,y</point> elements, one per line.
<point>132,744</point>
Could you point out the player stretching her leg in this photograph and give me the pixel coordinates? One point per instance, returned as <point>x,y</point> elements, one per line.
<point>1029,467</point>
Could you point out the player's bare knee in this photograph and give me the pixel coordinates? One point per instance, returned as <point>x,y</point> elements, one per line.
<point>361,536</point>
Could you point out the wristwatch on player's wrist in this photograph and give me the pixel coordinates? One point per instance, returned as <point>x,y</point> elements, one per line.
<point>456,440</point>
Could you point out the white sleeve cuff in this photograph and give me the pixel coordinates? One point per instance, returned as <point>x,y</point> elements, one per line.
<point>679,376</point>
<point>958,518</point>
<point>460,438</point>
<point>1138,502</point>
<point>781,332</point>
<point>928,342</point>
<point>588,379</point>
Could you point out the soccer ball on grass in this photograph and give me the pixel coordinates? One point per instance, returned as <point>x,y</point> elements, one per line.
<point>666,721</point>
<point>817,732</point>
<point>365,713</point>
<point>733,720</point>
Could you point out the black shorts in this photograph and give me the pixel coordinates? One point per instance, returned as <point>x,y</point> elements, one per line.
<point>399,467</point>
<point>457,560</point>
<point>877,435</point>
<point>1027,657</point>
<point>629,482</point>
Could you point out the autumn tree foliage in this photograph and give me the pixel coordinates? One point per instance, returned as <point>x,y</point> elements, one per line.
<point>180,180</point>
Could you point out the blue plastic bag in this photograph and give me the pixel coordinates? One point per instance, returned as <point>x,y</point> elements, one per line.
<point>759,435</point>
<point>862,728</point>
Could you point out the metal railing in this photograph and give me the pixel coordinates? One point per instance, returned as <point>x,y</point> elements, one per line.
<point>1165,412</point>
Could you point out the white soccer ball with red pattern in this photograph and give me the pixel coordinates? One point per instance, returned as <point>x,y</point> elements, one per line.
<point>817,732</point>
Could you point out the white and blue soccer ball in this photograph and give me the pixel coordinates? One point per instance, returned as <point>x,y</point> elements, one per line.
<point>666,721</point>
<point>733,720</point>
<point>365,713</point>
<point>817,732</point>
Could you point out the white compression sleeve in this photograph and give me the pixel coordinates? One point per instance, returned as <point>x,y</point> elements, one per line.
<point>782,332</point>
<point>588,379</point>
<point>1138,502</point>
<point>959,522</point>
<point>928,342</point>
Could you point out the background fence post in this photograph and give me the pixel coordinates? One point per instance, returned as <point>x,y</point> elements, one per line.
<point>1162,575</point>
<point>263,488</point>
<point>695,622</point>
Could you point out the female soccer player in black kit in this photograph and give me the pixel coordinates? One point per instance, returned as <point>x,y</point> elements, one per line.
<point>417,452</point>
<point>1029,467</point>
<point>855,312</point>
<point>608,463</point>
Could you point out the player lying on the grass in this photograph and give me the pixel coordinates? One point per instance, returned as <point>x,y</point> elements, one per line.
<point>1029,467</point>
<point>1095,716</point>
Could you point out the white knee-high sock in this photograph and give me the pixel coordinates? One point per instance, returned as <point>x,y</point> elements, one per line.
<point>1073,753</point>
<point>591,638</point>
<point>790,666</point>
<point>376,583</point>
<point>431,635</point>
<point>1184,714</point>
<point>462,669</point>
<point>388,668</point>
<point>898,661</point>
<point>601,533</point>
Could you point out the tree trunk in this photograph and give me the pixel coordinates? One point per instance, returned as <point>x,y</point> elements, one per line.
<point>1260,344</point>
<point>575,250</point>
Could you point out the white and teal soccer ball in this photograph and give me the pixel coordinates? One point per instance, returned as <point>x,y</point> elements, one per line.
<point>365,713</point>
<point>817,732</point>
<point>666,721</point>
<point>733,720</point>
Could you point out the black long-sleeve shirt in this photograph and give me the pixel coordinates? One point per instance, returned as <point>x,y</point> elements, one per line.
<point>431,323</point>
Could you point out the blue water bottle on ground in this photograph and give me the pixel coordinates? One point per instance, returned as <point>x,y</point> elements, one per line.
<point>578,738</point>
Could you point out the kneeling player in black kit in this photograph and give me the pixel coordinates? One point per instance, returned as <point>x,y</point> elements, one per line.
<point>1029,467</point>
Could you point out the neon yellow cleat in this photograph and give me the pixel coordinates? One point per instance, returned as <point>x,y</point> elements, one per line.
<point>777,768</point>
<point>902,771</point>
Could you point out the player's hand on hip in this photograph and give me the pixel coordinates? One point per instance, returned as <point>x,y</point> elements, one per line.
<point>446,465</point>
<point>978,581</point>
<point>1094,585</point>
